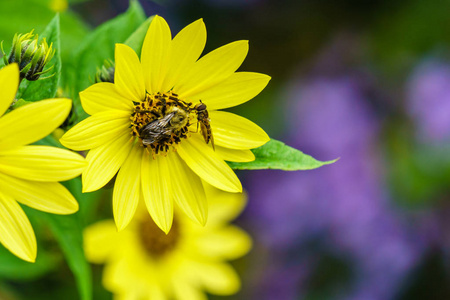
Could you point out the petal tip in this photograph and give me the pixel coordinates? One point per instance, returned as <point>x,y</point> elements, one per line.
<point>203,220</point>
<point>30,258</point>
<point>165,225</point>
<point>120,225</point>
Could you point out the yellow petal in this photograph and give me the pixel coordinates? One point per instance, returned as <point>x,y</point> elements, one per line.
<point>100,239</point>
<point>128,76</point>
<point>41,163</point>
<point>9,82</point>
<point>226,243</point>
<point>32,122</point>
<point>97,130</point>
<point>235,155</point>
<point>187,189</point>
<point>16,233</point>
<point>50,197</point>
<point>218,278</point>
<point>212,69</point>
<point>104,96</point>
<point>155,54</point>
<point>104,162</point>
<point>127,189</point>
<point>208,165</point>
<point>236,89</point>
<point>184,289</point>
<point>187,46</point>
<point>156,188</point>
<point>223,207</point>
<point>235,132</point>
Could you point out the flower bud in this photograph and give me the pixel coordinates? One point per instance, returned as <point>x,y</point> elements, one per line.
<point>30,55</point>
<point>106,73</point>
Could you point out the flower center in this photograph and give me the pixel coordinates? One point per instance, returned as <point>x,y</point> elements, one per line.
<point>161,120</point>
<point>155,241</point>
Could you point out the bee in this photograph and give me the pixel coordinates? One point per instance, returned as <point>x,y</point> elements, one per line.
<point>160,130</point>
<point>203,119</point>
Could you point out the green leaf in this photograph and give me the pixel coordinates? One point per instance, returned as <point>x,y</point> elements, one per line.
<point>136,40</point>
<point>98,46</point>
<point>68,232</point>
<point>20,103</point>
<point>277,155</point>
<point>45,88</point>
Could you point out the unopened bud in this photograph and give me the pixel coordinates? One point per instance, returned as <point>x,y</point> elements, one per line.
<point>30,55</point>
<point>106,72</point>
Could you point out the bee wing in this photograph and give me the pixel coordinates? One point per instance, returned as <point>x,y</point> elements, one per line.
<point>207,134</point>
<point>156,130</point>
<point>212,138</point>
<point>204,132</point>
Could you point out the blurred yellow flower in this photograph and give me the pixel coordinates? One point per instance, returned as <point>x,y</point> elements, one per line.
<point>29,174</point>
<point>158,123</point>
<point>59,5</point>
<point>141,262</point>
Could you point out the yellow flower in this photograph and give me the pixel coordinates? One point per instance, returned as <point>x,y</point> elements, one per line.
<point>141,262</point>
<point>59,5</point>
<point>154,123</point>
<point>29,174</point>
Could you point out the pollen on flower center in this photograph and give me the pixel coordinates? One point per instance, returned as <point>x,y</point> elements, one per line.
<point>155,241</point>
<point>161,120</point>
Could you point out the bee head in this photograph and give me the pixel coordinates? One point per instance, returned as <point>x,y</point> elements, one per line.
<point>200,106</point>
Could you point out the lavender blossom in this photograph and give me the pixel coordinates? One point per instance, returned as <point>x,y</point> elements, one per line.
<point>428,100</point>
<point>345,205</point>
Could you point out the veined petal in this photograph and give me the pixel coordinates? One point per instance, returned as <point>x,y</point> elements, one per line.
<point>212,69</point>
<point>127,189</point>
<point>97,130</point>
<point>100,239</point>
<point>187,46</point>
<point>41,163</point>
<point>104,162</point>
<point>16,233</point>
<point>236,89</point>
<point>32,122</point>
<point>156,188</point>
<point>50,197</point>
<point>104,96</point>
<point>226,243</point>
<point>128,76</point>
<point>187,189</point>
<point>235,132</point>
<point>234,154</point>
<point>155,54</point>
<point>9,80</point>
<point>208,165</point>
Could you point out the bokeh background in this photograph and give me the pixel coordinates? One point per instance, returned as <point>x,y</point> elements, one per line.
<point>365,81</point>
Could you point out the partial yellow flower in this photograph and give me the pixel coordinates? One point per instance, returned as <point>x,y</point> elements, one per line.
<point>29,174</point>
<point>158,126</point>
<point>59,5</point>
<point>141,262</point>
